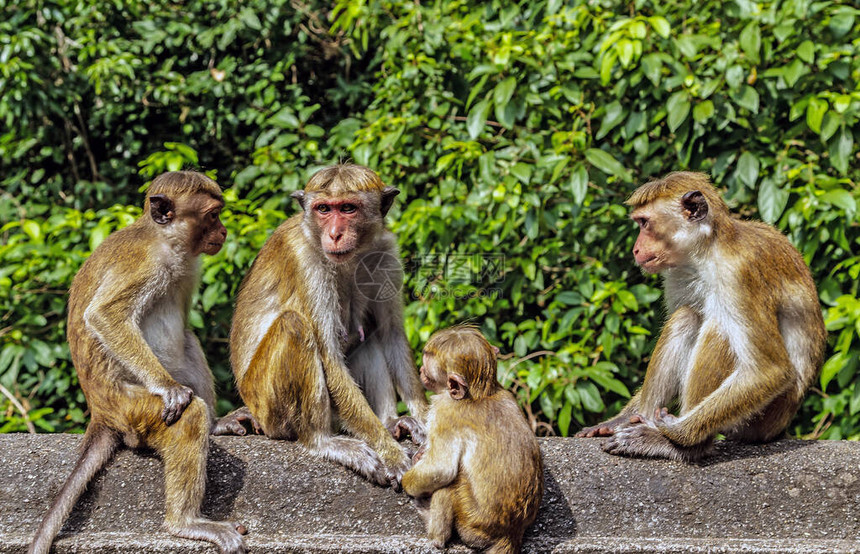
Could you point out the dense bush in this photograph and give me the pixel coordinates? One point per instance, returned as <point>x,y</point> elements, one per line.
<point>514,129</point>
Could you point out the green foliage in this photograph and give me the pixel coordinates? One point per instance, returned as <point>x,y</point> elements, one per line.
<point>515,130</point>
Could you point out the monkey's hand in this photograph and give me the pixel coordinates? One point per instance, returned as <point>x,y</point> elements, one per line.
<point>396,470</point>
<point>176,398</point>
<point>234,423</point>
<point>405,426</point>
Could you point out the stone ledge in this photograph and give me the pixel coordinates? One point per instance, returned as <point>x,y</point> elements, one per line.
<point>789,496</point>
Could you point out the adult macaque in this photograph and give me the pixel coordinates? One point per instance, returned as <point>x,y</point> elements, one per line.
<point>745,336</point>
<point>319,321</point>
<point>142,370</point>
<point>481,466</point>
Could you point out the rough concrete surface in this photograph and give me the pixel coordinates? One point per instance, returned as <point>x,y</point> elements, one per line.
<point>790,496</point>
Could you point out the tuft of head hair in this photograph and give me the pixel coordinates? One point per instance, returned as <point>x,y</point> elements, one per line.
<point>345,177</point>
<point>182,183</point>
<point>465,351</point>
<point>675,185</point>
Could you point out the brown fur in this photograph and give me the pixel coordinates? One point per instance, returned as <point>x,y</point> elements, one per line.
<point>745,337</point>
<point>306,336</point>
<point>142,371</point>
<point>481,466</point>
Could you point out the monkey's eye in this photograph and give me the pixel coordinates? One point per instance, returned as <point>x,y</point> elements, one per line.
<point>348,208</point>
<point>323,208</point>
<point>642,222</point>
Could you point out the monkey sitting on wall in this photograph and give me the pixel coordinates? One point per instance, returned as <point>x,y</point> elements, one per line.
<point>318,332</point>
<point>142,370</point>
<point>745,336</point>
<point>481,465</point>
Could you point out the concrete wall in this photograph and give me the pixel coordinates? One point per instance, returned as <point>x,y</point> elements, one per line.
<point>790,496</point>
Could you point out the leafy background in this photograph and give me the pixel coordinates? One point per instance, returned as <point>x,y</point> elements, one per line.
<point>514,130</point>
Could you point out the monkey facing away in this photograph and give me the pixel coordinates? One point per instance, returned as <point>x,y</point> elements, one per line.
<point>142,370</point>
<point>745,336</point>
<point>481,465</point>
<point>318,332</point>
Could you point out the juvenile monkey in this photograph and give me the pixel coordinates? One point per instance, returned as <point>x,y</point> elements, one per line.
<point>745,336</point>
<point>318,328</point>
<point>142,370</point>
<point>481,465</point>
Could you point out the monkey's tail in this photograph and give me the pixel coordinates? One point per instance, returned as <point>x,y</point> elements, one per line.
<point>99,445</point>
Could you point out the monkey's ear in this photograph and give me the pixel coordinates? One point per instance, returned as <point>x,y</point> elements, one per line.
<point>161,209</point>
<point>299,195</point>
<point>457,387</point>
<point>388,194</point>
<point>695,206</point>
<point>495,349</point>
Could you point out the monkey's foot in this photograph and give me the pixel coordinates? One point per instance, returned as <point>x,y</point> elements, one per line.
<point>605,429</point>
<point>234,423</point>
<point>643,437</point>
<point>409,426</point>
<point>227,536</point>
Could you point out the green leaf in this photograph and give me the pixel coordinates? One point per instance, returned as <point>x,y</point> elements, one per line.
<point>652,67</point>
<point>660,26</point>
<point>615,114</point>
<point>477,118</point>
<point>564,419</point>
<point>285,119</point>
<point>503,92</point>
<point>815,111</point>
<point>606,163</point>
<point>842,150</point>
<point>794,71</point>
<point>678,107</point>
<point>590,396</point>
<point>806,51</point>
<point>579,184</point>
<point>750,40</point>
<point>748,168</point>
<point>831,367</point>
<point>771,200</point>
<point>703,111</point>
<point>841,199</point>
<point>747,98</point>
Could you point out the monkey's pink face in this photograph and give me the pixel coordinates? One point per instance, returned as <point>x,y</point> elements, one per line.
<point>209,233</point>
<point>652,251</point>
<point>339,222</point>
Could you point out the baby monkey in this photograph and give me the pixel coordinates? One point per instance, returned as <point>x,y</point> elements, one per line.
<point>480,470</point>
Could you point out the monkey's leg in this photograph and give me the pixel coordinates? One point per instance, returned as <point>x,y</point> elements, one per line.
<point>770,424</point>
<point>99,445</point>
<point>669,364</point>
<point>285,388</point>
<point>184,448</point>
<point>368,367</point>
<point>438,516</point>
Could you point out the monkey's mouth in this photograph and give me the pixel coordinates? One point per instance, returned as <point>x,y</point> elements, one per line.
<point>650,265</point>
<point>339,256</point>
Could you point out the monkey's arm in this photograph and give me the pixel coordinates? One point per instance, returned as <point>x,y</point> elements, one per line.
<point>358,417</point>
<point>762,371</point>
<point>437,466</point>
<point>662,378</point>
<point>113,317</point>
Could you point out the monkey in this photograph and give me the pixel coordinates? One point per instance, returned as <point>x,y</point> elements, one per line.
<point>481,465</point>
<point>318,335</point>
<point>142,370</point>
<point>745,336</point>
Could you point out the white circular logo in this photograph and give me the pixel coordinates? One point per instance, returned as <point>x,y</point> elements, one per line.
<point>379,276</point>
